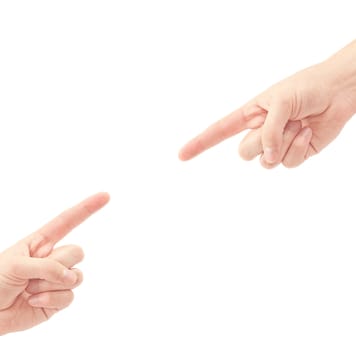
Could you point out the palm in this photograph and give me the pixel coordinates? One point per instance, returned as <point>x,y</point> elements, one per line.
<point>13,292</point>
<point>20,315</point>
<point>326,126</point>
<point>10,288</point>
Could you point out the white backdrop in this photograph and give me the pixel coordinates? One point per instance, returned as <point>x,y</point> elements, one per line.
<point>215,253</point>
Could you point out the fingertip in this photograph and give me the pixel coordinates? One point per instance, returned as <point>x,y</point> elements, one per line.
<point>246,153</point>
<point>80,277</point>
<point>270,155</point>
<point>96,202</point>
<point>69,277</point>
<point>104,197</point>
<point>267,165</point>
<point>271,143</point>
<point>188,151</point>
<point>182,156</point>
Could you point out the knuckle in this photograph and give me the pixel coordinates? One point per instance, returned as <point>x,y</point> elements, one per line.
<point>77,253</point>
<point>69,297</point>
<point>80,253</point>
<point>54,269</point>
<point>57,273</point>
<point>244,153</point>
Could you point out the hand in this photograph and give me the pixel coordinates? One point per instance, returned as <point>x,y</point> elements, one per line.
<point>294,119</point>
<point>36,280</point>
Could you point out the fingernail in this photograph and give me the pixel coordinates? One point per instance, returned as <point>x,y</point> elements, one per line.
<point>69,276</point>
<point>269,155</point>
<point>35,301</point>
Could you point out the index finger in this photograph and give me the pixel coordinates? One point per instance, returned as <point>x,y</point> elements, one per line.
<point>248,117</point>
<point>42,241</point>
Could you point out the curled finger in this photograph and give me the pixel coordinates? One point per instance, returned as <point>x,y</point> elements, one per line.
<point>39,286</point>
<point>57,300</point>
<point>297,152</point>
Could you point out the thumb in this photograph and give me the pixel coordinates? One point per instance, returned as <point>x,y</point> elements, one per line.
<point>272,131</point>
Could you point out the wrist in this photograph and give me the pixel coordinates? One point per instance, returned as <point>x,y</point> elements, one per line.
<point>341,70</point>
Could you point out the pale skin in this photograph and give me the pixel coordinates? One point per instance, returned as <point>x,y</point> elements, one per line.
<point>36,278</point>
<point>293,119</point>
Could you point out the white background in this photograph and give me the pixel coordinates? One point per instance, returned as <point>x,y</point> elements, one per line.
<point>216,253</point>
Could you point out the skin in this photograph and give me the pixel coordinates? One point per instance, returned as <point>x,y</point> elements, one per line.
<point>37,279</point>
<point>293,119</point>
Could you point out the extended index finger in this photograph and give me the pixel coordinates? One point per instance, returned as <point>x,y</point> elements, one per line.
<point>248,117</point>
<point>42,241</point>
